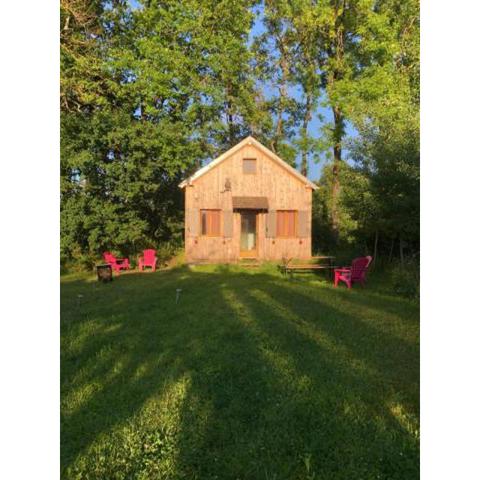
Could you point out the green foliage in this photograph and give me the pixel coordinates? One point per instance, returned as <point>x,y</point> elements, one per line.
<point>406,279</point>
<point>149,94</point>
<point>172,88</point>
<point>356,214</point>
<point>378,92</point>
<point>249,375</point>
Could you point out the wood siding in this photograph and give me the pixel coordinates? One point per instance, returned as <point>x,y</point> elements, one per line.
<point>283,190</point>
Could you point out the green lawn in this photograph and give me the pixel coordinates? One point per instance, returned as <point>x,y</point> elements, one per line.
<point>249,376</point>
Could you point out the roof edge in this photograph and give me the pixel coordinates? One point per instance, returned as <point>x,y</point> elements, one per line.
<point>246,141</point>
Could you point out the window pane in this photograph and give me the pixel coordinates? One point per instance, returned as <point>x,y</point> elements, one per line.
<point>249,165</point>
<point>291,224</point>
<point>215,223</point>
<point>287,224</point>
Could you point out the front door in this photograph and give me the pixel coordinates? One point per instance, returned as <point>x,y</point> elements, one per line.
<point>248,234</point>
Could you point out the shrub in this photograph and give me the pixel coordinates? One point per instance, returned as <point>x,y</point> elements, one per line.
<point>165,252</point>
<point>406,279</point>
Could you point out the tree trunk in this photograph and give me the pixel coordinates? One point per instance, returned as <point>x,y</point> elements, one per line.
<point>231,133</point>
<point>306,120</point>
<point>338,128</point>
<point>279,128</point>
<point>400,244</point>
<point>229,111</point>
<point>284,67</point>
<point>391,251</point>
<point>337,158</point>
<point>375,245</point>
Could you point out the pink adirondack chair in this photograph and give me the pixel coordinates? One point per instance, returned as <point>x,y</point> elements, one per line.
<point>356,273</point>
<point>117,264</point>
<point>149,259</point>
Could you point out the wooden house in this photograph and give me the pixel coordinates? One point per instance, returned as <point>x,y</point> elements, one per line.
<point>247,203</point>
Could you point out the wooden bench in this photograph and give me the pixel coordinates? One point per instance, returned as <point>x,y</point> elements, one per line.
<point>292,267</point>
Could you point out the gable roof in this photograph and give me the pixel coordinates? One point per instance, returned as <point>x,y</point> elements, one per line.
<point>247,141</point>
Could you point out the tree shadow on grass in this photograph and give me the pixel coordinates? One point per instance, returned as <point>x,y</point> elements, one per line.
<point>368,338</point>
<point>351,391</point>
<point>133,344</point>
<point>269,383</point>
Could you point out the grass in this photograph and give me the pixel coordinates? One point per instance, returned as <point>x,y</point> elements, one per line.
<point>249,376</point>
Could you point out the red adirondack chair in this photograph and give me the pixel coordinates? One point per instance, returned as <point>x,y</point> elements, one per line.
<point>116,263</point>
<point>356,273</point>
<point>148,260</point>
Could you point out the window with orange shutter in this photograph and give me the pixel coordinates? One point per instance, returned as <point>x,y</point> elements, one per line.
<point>286,223</point>
<point>210,223</point>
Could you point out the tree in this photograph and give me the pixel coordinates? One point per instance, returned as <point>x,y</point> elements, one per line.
<point>307,74</point>
<point>164,87</point>
<point>274,60</point>
<point>385,109</point>
<point>373,81</point>
<point>149,94</point>
<point>346,37</point>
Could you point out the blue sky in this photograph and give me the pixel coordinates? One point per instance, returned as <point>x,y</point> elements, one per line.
<point>320,117</point>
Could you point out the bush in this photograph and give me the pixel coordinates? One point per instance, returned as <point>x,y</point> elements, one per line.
<point>81,262</point>
<point>406,279</point>
<point>165,252</point>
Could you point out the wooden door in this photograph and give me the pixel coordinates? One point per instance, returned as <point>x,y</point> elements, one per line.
<point>248,234</point>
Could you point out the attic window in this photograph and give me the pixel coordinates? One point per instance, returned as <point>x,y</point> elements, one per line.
<point>250,165</point>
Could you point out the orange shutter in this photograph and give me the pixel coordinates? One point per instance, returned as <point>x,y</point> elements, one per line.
<point>215,223</point>
<point>286,223</point>
<point>210,223</point>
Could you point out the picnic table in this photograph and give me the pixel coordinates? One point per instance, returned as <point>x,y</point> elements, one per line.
<point>290,268</point>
